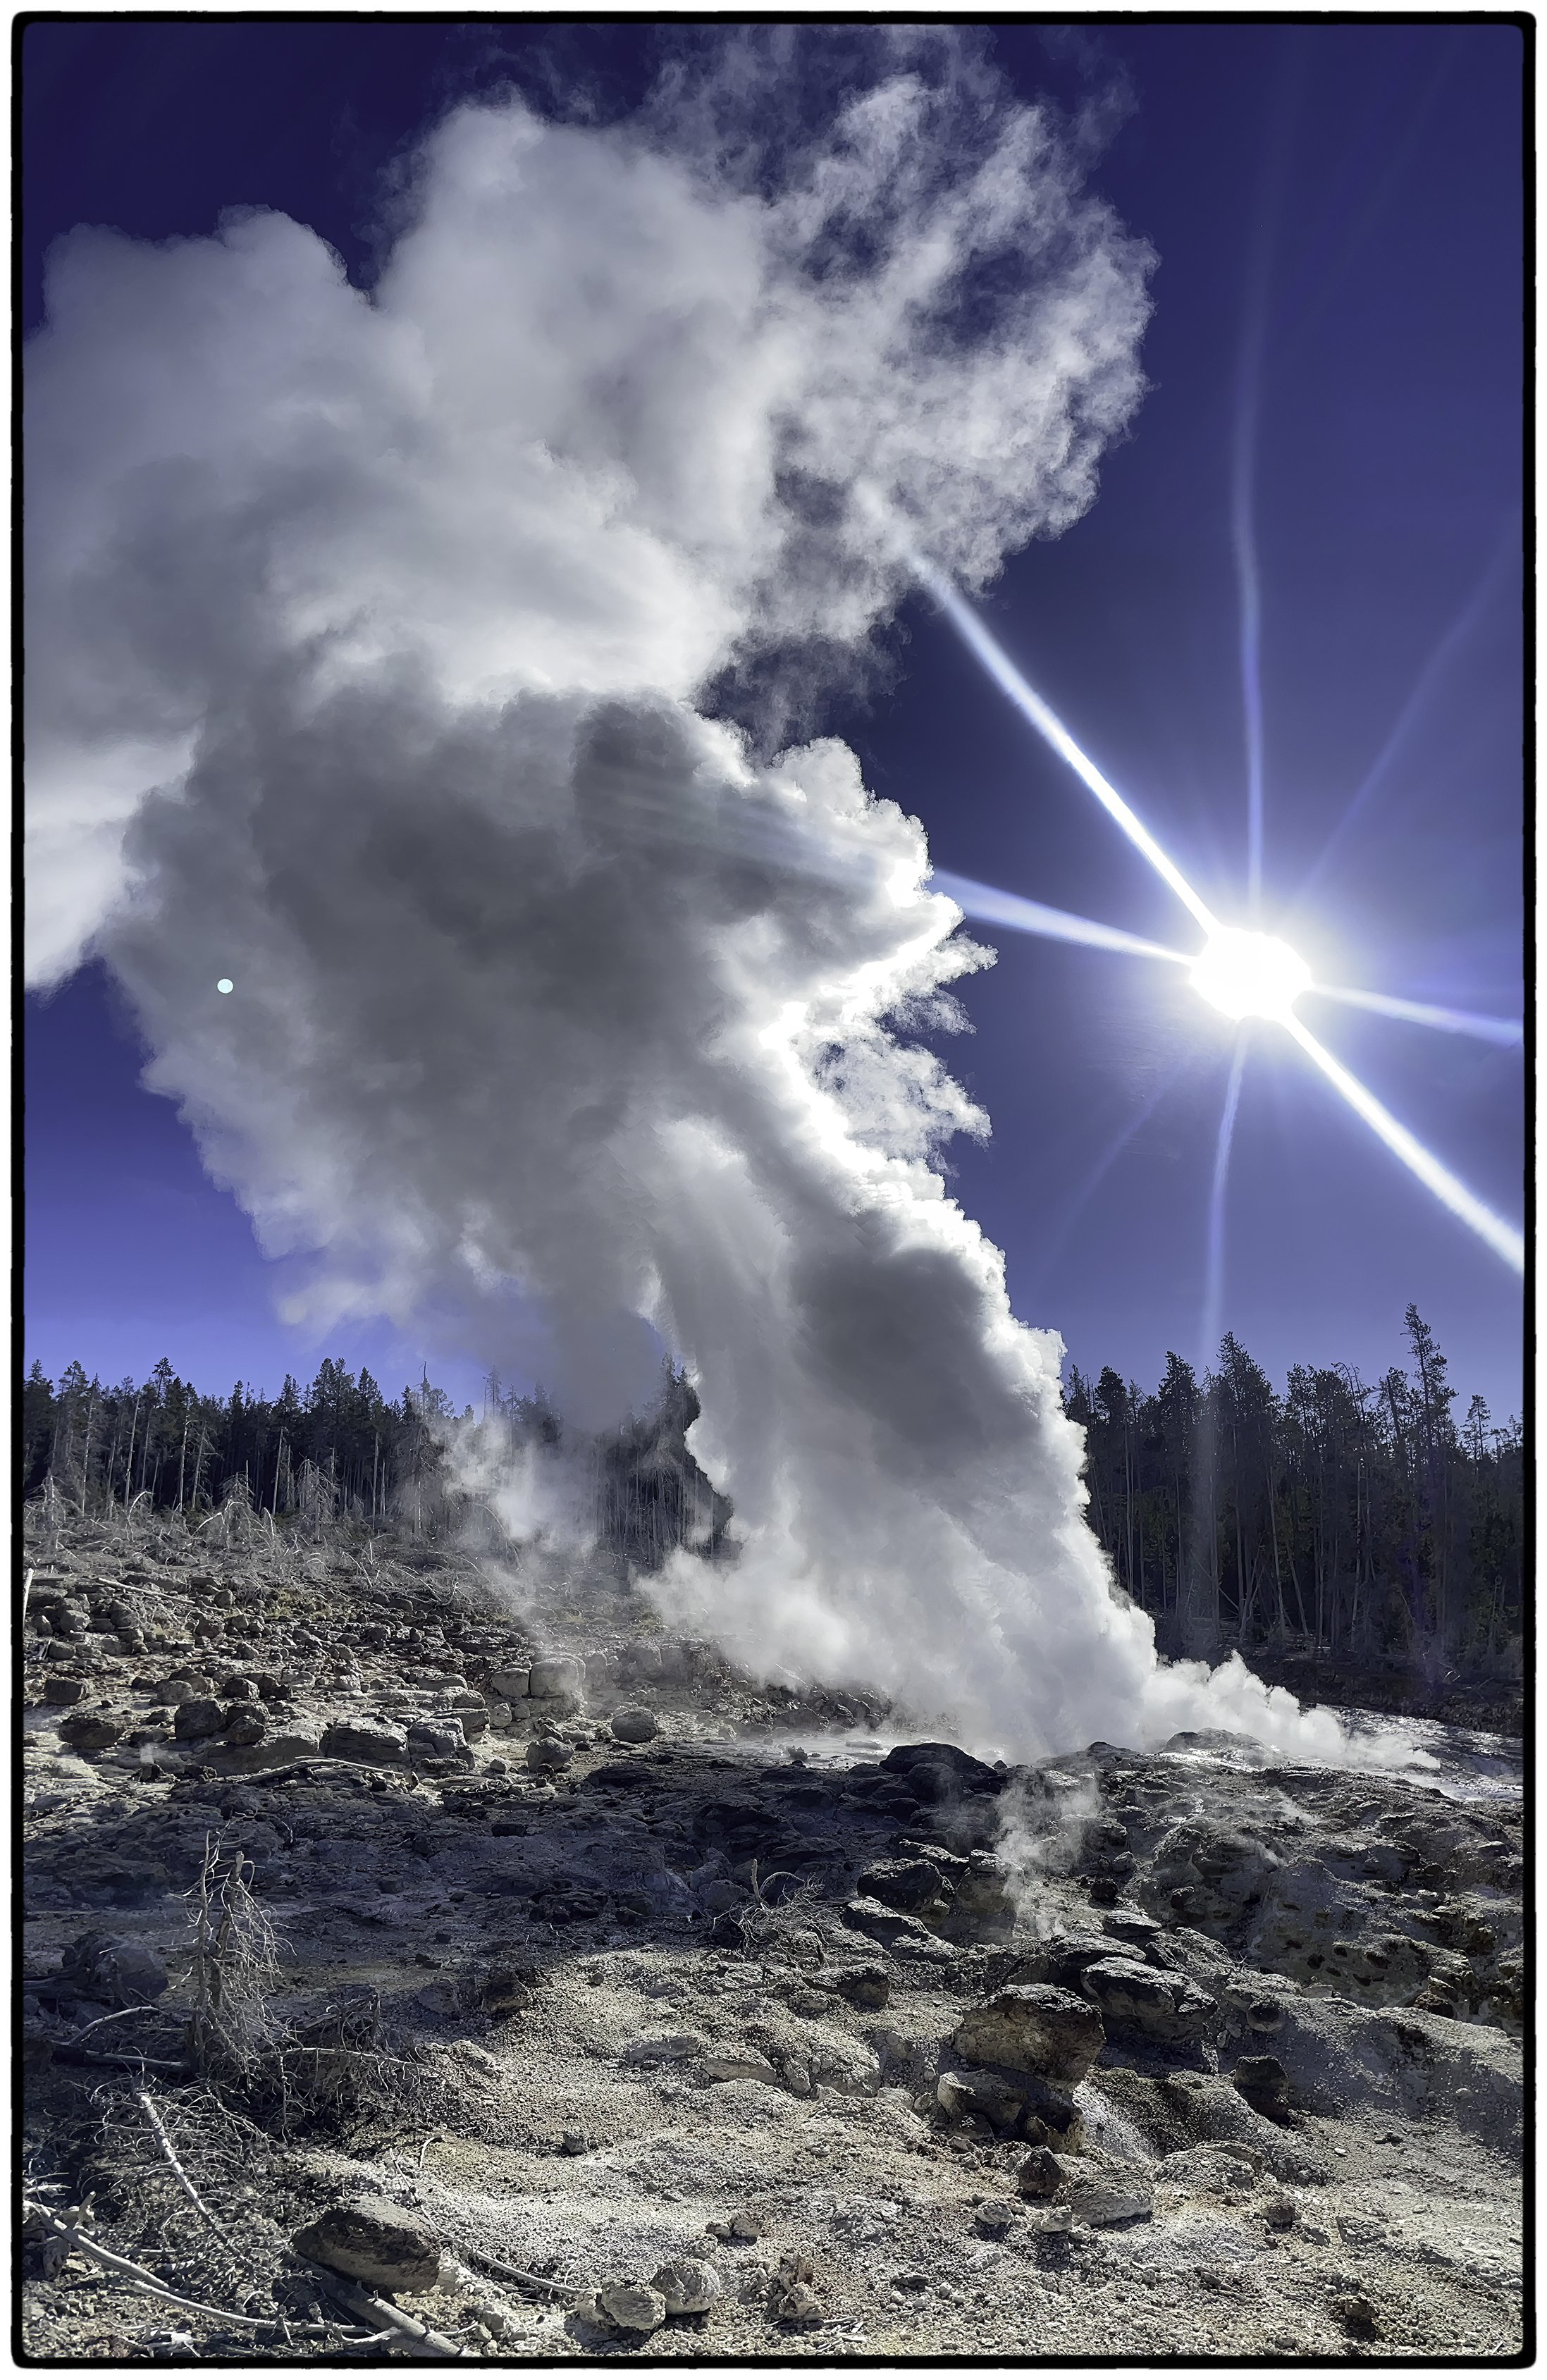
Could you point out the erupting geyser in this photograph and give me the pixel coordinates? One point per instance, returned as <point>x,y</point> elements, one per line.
<point>366,639</point>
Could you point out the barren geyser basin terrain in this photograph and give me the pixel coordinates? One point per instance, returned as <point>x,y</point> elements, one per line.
<point>540,1985</point>
<point>727,1854</point>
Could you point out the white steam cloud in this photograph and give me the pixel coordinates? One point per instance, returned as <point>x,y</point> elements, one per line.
<point>365,637</point>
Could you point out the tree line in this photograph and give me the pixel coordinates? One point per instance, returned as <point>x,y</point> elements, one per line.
<point>343,1450</point>
<point>1343,1517</point>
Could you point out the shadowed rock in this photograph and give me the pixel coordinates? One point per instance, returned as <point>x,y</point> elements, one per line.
<point>1133,1998</point>
<point>374,2242</point>
<point>1036,2028</point>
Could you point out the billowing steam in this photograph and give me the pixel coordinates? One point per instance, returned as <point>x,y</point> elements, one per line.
<point>366,633</point>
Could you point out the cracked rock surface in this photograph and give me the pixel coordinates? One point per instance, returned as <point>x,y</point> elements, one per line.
<point>617,2004</point>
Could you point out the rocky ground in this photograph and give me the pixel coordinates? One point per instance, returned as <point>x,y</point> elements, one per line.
<point>409,1972</point>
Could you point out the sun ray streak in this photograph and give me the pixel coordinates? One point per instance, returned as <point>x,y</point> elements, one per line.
<point>1508,1031</point>
<point>1251,681</point>
<point>1289,86</point>
<point>1430,678</point>
<point>1502,1237</point>
<point>1048,724</point>
<point>1052,1247</point>
<point>992,907</point>
<point>1249,584</point>
<point>1214,1276</point>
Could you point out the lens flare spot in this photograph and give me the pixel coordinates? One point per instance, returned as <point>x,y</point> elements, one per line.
<point>225,984</point>
<point>1245,974</point>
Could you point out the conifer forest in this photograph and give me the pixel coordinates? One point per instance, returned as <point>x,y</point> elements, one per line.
<point>1339,1517</point>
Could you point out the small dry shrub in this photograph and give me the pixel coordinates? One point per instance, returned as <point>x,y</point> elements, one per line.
<point>232,2037</point>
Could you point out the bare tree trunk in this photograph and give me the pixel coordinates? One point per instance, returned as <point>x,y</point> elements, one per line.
<point>129,1466</point>
<point>1127,1497</point>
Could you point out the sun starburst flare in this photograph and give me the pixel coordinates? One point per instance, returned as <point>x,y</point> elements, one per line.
<point>1244,973</point>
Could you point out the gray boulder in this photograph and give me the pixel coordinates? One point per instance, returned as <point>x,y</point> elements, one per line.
<point>630,2307</point>
<point>377,1746</point>
<point>115,1968</point>
<point>634,1724</point>
<point>999,2099</point>
<point>274,1752</point>
<point>439,1739</point>
<point>1017,2104</point>
<point>938,1772</point>
<point>687,2285</point>
<point>1132,1998</point>
<point>664,2049</point>
<point>89,1730</point>
<point>198,1720</point>
<point>1112,2197</point>
<point>558,1675</point>
<point>908,1883</point>
<point>1126,1924</point>
<point>1061,1960</point>
<point>984,1909</point>
<point>1038,2175</point>
<point>885,1925</point>
<point>374,2242</point>
<point>1036,2028</point>
<point>501,1990</point>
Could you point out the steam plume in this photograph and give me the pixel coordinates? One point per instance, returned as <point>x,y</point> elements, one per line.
<point>365,638</point>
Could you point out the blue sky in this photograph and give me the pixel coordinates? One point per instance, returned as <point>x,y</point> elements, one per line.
<point>1362,185</point>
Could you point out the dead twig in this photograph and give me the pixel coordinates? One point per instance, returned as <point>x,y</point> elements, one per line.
<point>74,2057</point>
<point>170,2153</point>
<point>134,2276</point>
<point>504,2272</point>
<point>113,2016</point>
<point>373,2310</point>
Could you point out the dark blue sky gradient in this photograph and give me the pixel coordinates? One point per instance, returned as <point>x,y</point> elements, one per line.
<point>1374,173</point>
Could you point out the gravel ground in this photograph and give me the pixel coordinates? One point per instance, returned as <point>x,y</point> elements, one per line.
<point>659,1968</point>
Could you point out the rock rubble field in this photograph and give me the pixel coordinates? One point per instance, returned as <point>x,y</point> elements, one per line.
<point>412,1972</point>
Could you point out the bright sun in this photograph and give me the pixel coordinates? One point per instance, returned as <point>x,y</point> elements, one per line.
<point>1250,974</point>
